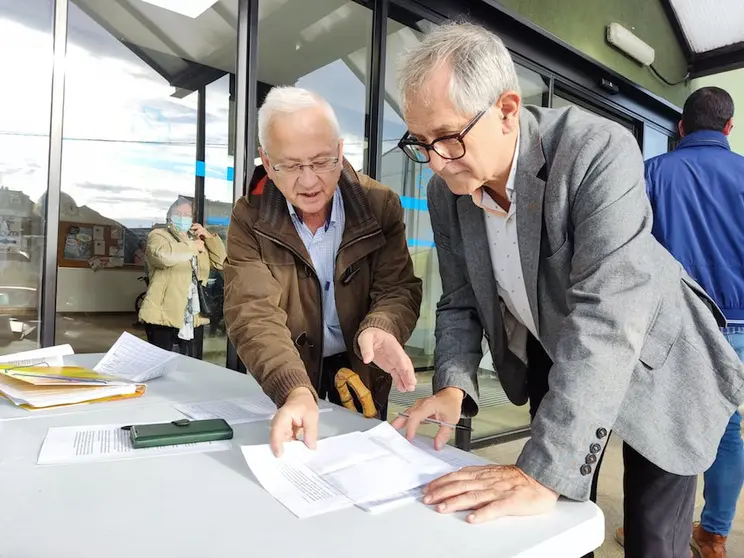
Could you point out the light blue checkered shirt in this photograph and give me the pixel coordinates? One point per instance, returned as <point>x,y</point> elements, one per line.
<point>323,247</point>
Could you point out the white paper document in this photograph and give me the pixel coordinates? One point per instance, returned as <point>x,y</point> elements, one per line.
<point>362,468</point>
<point>455,458</point>
<point>51,356</point>
<point>81,444</point>
<point>293,483</point>
<point>136,360</point>
<point>235,411</point>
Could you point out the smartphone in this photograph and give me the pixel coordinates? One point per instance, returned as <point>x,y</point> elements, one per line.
<point>182,431</point>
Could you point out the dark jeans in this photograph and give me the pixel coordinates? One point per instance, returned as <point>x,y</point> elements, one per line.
<point>658,506</point>
<point>725,478</point>
<point>167,338</point>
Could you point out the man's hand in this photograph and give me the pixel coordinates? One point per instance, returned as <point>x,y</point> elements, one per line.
<point>384,350</point>
<point>299,414</point>
<point>491,491</point>
<point>445,406</point>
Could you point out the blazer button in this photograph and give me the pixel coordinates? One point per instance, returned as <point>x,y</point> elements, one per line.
<point>591,459</point>
<point>595,448</point>
<point>601,433</point>
<point>586,470</point>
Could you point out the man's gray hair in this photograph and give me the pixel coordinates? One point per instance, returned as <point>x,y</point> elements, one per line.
<point>482,68</point>
<point>286,100</point>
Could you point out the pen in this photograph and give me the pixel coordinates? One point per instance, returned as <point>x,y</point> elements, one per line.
<point>440,423</point>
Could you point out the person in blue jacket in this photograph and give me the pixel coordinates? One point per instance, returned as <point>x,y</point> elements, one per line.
<point>697,196</point>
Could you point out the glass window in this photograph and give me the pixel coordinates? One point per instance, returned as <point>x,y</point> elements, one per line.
<point>218,188</point>
<point>655,141</point>
<point>129,151</point>
<point>409,180</point>
<point>25,98</point>
<point>565,99</point>
<point>324,47</point>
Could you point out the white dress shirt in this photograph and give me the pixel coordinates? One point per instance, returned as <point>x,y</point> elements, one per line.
<point>323,247</point>
<point>501,228</point>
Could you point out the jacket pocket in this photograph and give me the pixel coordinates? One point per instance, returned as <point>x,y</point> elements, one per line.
<point>272,254</point>
<point>661,337</point>
<point>707,300</point>
<point>560,256</point>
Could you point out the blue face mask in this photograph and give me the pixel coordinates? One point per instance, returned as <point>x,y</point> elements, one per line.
<point>182,223</point>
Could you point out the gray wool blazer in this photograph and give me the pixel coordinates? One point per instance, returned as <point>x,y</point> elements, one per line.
<point>635,342</point>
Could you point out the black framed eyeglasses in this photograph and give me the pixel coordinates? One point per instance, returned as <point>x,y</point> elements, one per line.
<point>448,147</point>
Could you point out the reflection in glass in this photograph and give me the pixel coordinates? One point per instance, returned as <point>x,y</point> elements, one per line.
<point>129,150</point>
<point>25,98</point>
<point>324,47</point>
<point>218,188</point>
<point>655,142</point>
<point>561,100</point>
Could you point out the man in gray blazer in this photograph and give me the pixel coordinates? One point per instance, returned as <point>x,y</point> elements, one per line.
<point>543,231</point>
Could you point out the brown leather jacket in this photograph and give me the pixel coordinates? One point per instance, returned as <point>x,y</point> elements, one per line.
<point>273,307</point>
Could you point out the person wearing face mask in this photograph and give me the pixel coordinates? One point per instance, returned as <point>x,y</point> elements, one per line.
<point>177,257</point>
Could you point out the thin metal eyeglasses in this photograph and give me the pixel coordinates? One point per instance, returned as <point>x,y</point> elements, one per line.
<point>318,166</point>
<point>449,147</point>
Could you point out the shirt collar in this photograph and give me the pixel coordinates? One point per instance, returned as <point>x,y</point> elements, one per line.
<point>486,202</point>
<point>335,209</point>
<point>703,138</point>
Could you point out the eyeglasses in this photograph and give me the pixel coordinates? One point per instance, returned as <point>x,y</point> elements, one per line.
<point>319,166</point>
<point>449,147</point>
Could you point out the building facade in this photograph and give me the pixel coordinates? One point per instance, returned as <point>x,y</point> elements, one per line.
<point>111,109</point>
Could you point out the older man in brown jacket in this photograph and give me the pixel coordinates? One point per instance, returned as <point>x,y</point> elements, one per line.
<point>318,275</point>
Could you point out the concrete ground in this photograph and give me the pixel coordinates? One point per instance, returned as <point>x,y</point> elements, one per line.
<point>611,496</point>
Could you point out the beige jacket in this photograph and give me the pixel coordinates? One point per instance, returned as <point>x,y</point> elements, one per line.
<point>169,264</point>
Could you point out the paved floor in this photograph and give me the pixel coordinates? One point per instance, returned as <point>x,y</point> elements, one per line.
<point>611,496</point>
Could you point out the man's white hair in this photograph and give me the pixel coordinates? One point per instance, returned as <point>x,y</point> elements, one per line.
<point>286,100</point>
<point>482,68</point>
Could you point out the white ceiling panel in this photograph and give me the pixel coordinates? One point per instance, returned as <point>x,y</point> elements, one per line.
<point>710,24</point>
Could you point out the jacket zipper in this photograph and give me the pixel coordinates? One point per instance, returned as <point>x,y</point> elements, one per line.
<point>308,265</point>
<point>317,282</point>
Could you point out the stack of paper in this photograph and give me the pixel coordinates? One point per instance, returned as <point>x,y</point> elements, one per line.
<point>51,356</point>
<point>39,387</point>
<point>136,360</point>
<point>374,470</point>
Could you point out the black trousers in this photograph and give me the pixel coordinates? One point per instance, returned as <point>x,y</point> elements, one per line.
<point>658,506</point>
<point>331,365</point>
<point>167,338</point>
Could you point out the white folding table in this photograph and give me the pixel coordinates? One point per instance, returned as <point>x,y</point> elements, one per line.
<point>210,505</point>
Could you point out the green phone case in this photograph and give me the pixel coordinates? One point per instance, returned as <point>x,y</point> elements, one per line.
<point>183,431</point>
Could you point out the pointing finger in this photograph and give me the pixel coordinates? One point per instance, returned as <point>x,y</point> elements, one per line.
<point>310,425</point>
<point>442,437</point>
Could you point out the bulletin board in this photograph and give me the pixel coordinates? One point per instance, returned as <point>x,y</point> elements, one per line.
<point>90,246</point>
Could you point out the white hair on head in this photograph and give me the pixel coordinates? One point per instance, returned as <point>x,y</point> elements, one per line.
<point>482,68</point>
<point>286,100</point>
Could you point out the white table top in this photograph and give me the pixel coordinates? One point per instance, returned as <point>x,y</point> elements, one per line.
<point>210,505</point>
